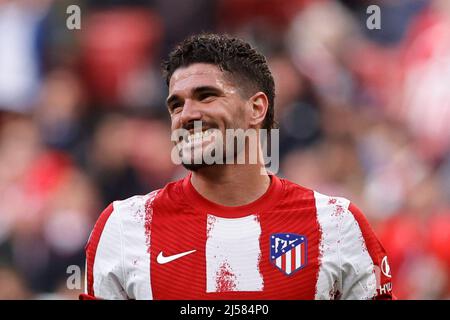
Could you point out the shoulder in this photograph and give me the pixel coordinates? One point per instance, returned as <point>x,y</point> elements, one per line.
<point>331,205</point>
<point>339,215</point>
<point>133,209</point>
<point>344,213</point>
<point>327,206</point>
<point>289,186</point>
<point>336,216</point>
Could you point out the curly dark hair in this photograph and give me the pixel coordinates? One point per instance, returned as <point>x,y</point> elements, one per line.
<point>237,58</point>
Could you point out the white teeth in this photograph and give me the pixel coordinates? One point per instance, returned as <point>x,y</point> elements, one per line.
<point>198,136</point>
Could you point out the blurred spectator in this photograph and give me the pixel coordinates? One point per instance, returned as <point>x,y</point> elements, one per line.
<point>12,285</point>
<point>20,23</point>
<point>60,110</point>
<point>237,14</point>
<point>297,110</point>
<point>396,18</point>
<point>190,16</point>
<point>129,43</point>
<point>425,95</point>
<point>109,165</point>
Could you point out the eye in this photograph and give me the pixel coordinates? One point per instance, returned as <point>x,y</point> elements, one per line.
<point>175,107</point>
<point>207,96</point>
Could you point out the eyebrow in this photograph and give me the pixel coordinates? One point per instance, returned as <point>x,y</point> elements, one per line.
<point>195,91</point>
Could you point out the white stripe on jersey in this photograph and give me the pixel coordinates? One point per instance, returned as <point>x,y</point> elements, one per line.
<point>278,262</point>
<point>227,261</point>
<point>342,251</point>
<point>124,236</point>
<point>108,269</point>
<point>136,244</point>
<point>288,261</point>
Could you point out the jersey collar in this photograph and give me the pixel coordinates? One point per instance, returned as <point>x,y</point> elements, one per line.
<point>265,202</point>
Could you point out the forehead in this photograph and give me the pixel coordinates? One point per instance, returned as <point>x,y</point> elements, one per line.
<point>198,75</point>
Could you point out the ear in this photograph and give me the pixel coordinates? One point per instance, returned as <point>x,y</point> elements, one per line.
<point>260,105</point>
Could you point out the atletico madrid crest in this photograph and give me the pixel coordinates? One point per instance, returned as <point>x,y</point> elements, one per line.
<point>288,252</point>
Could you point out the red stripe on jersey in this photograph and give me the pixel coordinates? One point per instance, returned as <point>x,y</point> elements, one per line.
<point>303,254</point>
<point>84,296</point>
<point>376,252</point>
<point>300,255</point>
<point>295,213</point>
<point>91,247</point>
<point>283,262</point>
<point>293,255</point>
<point>176,228</point>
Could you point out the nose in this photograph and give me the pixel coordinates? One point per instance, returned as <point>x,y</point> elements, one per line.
<point>190,113</point>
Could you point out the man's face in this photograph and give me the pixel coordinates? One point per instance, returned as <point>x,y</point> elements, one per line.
<point>202,92</point>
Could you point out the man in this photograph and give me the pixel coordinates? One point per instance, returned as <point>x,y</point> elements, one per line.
<point>230,230</point>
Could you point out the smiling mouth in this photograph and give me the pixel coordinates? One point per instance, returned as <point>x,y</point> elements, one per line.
<point>195,137</point>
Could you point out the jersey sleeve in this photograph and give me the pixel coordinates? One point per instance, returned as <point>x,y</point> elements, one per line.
<point>104,259</point>
<point>364,262</point>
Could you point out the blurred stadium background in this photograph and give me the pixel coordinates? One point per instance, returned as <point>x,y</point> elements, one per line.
<point>364,114</point>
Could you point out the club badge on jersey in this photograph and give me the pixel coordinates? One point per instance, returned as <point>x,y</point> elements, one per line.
<point>288,252</point>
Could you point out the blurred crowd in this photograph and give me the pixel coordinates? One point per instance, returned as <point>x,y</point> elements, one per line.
<point>363,114</point>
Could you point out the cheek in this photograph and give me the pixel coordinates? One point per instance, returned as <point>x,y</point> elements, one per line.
<point>232,114</point>
<point>175,121</point>
<point>237,108</point>
<point>241,114</point>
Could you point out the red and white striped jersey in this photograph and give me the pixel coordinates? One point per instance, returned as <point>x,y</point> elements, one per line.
<point>291,243</point>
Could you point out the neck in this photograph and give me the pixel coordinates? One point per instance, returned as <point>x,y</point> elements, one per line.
<point>232,184</point>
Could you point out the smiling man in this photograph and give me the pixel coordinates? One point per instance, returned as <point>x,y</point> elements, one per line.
<point>230,229</point>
